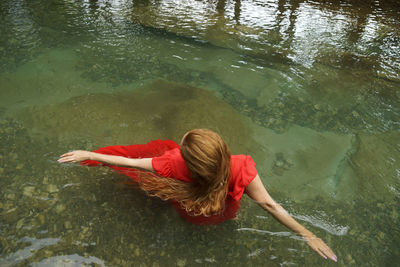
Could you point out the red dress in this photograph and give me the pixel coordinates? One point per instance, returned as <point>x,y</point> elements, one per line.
<point>168,162</point>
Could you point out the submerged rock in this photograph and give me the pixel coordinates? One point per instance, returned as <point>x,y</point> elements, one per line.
<point>376,164</point>
<point>124,118</point>
<point>308,163</point>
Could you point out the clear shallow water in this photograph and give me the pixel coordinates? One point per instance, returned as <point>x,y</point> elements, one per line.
<point>309,89</point>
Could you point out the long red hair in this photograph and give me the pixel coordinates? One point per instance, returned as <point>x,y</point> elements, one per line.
<point>208,159</point>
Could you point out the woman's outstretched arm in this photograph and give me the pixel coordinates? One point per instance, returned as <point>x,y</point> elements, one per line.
<point>258,193</point>
<point>81,155</point>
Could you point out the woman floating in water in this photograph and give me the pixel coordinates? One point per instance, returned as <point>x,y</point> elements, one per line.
<point>200,178</point>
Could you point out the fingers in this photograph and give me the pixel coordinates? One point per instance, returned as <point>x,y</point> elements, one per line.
<point>67,157</point>
<point>331,255</point>
<point>321,254</point>
<point>67,154</point>
<point>326,252</point>
<point>74,156</point>
<point>322,249</point>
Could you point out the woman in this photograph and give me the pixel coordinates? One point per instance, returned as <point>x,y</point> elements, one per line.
<point>207,182</point>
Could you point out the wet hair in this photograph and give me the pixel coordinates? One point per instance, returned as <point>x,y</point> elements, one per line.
<point>208,159</point>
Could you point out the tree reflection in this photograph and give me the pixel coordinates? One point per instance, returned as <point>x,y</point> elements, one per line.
<point>367,30</point>
<point>221,7</point>
<point>237,12</point>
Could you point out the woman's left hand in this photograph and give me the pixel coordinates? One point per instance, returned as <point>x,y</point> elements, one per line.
<point>321,248</point>
<point>75,156</point>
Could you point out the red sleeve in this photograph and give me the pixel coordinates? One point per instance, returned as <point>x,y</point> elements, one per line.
<point>163,164</point>
<point>152,149</point>
<point>172,165</point>
<point>243,173</point>
<point>249,171</point>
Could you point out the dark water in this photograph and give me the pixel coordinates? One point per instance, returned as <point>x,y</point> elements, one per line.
<point>310,89</point>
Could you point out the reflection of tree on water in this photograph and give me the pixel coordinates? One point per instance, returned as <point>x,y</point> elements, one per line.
<point>237,11</point>
<point>221,4</point>
<point>94,6</point>
<point>317,30</point>
<point>286,35</point>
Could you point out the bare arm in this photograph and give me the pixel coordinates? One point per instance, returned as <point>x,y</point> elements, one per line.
<point>81,155</point>
<point>258,193</point>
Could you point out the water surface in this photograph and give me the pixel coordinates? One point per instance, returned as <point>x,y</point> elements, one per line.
<point>309,89</point>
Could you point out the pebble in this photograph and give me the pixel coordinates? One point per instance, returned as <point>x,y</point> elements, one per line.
<point>279,163</point>
<point>395,214</point>
<point>381,235</point>
<point>181,262</point>
<point>60,208</point>
<point>85,229</point>
<point>137,252</point>
<point>1,170</point>
<point>41,218</point>
<point>350,259</point>
<point>44,195</point>
<point>11,196</point>
<point>19,224</point>
<point>68,225</point>
<point>28,191</point>
<point>20,166</point>
<point>52,188</point>
<point>11,215</point>
<point>48,253</point>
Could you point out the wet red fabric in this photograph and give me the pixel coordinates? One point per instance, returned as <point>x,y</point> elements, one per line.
<point>168,162</point>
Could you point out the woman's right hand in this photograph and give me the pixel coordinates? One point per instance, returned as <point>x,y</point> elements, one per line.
<point>320,247</point>
<point>75,156</point>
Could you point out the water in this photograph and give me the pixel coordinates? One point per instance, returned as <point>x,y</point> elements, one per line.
<point>310,89</point>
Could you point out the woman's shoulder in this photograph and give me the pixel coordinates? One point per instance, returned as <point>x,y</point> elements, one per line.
<point>243,171</point>
<point>239,161</point>
<point>243,167</point>
<point>174,152</point>
<point>171,164</point>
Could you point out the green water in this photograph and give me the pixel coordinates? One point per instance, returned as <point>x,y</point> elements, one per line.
<point>309,89</point>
